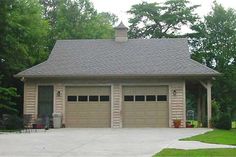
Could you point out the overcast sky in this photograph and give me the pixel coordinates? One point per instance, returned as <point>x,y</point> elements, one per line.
<point>120,7</point>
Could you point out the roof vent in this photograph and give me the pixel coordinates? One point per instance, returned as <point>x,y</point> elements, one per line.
<point>121,33</point>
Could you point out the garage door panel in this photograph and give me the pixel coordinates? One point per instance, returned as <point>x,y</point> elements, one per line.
<point>89,114</point>
<point>145,113</point>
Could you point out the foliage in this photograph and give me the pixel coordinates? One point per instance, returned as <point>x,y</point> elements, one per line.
<point>216,136</point>
<point>77,19</point>
<point>214,44</point>
<point>224,121</point>
<point>23,34</point>
<point>155,20</point>
<point>215,113</point>
<point>12,122</point>
<point>29,29</point>
<point>220,120</point>
<point>7,105</point>
<point>220,152</point>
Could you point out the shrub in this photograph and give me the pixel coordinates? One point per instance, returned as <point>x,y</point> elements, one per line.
<point>224,121</point>
<point>12,122</point>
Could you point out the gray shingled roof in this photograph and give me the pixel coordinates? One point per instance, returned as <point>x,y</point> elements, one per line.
<point>136,57</point>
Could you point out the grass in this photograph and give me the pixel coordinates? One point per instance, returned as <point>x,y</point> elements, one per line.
<point>6,130</point>
<point>197,152</point>
<point>234,124</point>
<point>216,136</point>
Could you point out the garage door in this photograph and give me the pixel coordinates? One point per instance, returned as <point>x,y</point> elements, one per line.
<point>145,106</point>
<point>88,107</point>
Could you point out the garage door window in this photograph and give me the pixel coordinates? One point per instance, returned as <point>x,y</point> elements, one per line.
<point>129,98</point>
<point>150,98</point>
<point>104,98</point>
<point>93,98</point>
<point>83,98</point>
<point>139,98</point>
<point>161,98</point>
<point>72,98</point>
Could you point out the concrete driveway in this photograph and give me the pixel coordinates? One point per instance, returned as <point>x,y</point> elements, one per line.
<point>92,142</point>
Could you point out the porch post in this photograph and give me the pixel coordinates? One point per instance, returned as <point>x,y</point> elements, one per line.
<point>208,103</point>
<point>208,88</point>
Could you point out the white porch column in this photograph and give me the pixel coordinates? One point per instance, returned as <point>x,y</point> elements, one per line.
<point>209,103</point>
<point>208,88</point>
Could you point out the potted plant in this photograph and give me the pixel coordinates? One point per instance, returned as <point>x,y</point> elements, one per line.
<point>177,123</point>
<point>189,125</point>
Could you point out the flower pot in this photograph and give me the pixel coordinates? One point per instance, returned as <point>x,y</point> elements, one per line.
<point>177,123</point>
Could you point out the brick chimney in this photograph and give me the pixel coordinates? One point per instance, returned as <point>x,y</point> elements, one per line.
<point>121,33</point>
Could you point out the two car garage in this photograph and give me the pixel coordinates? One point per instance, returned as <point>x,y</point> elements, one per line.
<point>142,106</point>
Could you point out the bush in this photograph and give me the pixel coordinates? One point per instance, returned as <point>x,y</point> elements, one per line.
<point>12,122</point>
<point>224,121</point>
<point>214,121</point>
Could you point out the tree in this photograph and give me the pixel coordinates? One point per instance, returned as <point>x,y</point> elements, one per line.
<point>214,44</point>
<point>155,20</point>
<point>23,34</point>
<point>7,104</point>
<point>77,19</point>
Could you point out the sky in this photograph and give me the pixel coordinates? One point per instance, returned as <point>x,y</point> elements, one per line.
<point>120,7</point>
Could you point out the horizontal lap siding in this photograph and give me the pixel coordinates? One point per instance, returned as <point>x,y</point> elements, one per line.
<point>30,96</point>
<point>59,100</point>
<point>177,103</point>
<point>116,106</point>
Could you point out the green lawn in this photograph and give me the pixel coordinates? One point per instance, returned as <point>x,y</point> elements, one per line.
<point>197,152</point>
<point>5,130</point>
<point>216,136</point>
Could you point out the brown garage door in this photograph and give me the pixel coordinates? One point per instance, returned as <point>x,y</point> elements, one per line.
<point>145,106</point>
<point>88,107</point>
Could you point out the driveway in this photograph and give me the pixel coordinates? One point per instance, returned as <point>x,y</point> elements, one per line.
<point>93,142</point>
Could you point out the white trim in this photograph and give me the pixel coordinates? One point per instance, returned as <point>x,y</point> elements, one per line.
<point>112,104</point>
<point>170,106</point>
<point>89,85</point>
<point>63,104</point>
<point>146,84</point>
<point>121,102</point>
<point>184,104</point>
<point>36,101</point>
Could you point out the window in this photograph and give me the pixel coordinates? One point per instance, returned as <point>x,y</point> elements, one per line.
<point>150,98</point>
<point>104,98</point>
<point>71,98</point>
<point>139,98</point>
<point>161,98</point>
<point>129,98</point>
<point>93,98</point>
<point>83,98</point>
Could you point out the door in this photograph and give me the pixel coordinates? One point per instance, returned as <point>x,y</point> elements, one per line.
<point>88,107</point>
<point>145,106</point>
<point>45,101</point>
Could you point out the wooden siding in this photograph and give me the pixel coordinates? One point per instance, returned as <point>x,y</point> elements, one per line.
<point>58,99</point>
<point>177,103</point>
<point>116,121</point>
<point>30,99</point>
